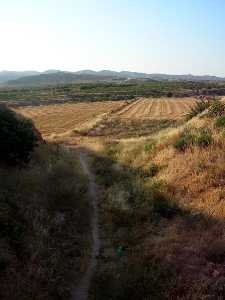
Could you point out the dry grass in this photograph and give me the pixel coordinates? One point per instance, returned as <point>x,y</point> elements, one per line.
<point>44,226</point>
<point>61,118</point>
<point>166,207</point>
<point>117,119</point>
<point>157,109</point>
<point>191,243</point>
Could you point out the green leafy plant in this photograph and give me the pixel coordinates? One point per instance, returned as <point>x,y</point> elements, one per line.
<point>17,137</point>
<point>204,138</point>
<point>185,139</point>
<point>192,136</point>
<point>220,122</point>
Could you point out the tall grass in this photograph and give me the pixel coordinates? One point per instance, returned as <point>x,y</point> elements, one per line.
<point>170,222</point>
<point>43,226</point>
<point>199,107</point>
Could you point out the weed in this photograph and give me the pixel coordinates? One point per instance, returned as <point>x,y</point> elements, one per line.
<point>217,109</point>
<point>192,136</point>
<point>185,140</point>
<point>220,122</point>
<point>203,138</point>
<point>148,147</point>
<point>198,108</point>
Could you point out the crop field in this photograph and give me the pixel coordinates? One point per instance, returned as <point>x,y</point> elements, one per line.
<point>162,108</point>
<point>60,118</point>
<point>110,118</point>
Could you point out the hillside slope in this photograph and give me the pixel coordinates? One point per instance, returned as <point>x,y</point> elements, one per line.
<point>59,78</point>
<point>164,214</point>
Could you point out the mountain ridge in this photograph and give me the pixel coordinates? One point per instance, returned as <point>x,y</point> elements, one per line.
<point>51,77</point>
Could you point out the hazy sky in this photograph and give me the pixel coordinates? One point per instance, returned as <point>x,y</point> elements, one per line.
<point>167,36</point>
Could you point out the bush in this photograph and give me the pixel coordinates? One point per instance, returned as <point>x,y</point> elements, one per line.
<point>17,137</point>
<point>149,147</point>
<point>199,137</point>
<point>217,109</point>
<point>185,139</point>
<point>199,107</point>
<point>220,122</point>
<point>204,138</point>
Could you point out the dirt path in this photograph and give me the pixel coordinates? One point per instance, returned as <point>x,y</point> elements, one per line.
<point>81,292</point>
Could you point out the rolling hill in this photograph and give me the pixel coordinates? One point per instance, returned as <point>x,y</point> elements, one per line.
<point>59,78</point>
<point>56,77</point>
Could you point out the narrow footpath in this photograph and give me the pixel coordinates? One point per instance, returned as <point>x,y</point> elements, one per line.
<point>81,291</point>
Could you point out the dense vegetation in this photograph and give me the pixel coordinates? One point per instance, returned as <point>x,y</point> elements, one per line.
<point>17,137</point>
<point>44,215</point>
<point>109,91</point>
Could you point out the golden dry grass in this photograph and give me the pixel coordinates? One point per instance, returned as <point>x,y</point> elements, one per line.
<point>162,108</point>
<point>61,118</point>
<point>192,243</point>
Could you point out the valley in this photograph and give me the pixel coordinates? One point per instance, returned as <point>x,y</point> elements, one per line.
<point>152,174</point>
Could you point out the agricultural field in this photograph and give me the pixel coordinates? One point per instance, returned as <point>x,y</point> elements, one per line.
<point>162,108</point>
<point>153,171</point>
<point>60,118</point>
<point>99,91</point>
<point>111,118</point>
<point>143,117</point>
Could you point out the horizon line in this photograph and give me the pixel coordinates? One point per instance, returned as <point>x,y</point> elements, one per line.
<point>100,70</point>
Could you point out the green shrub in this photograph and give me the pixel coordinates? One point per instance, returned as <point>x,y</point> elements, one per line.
<point>217,109</point>
<point>199,107</point>
<point>153,170</point>
<point>220,122</point>
<point>148,147</point>
<point>185,139</point>
<point>204,138</point>
<point>199,137</point>
<point>17,137</point>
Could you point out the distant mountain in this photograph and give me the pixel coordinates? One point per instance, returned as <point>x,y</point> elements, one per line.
<point>50,71</point>
<point>125,74</point>
<point>59,78</point>
<point>128,74</point>
<point>53,77</point>
<point>13,75</point>
<point>188,77</point>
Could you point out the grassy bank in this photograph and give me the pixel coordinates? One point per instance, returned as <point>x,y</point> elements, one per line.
<point>44,226</point>
<point>162,211</point>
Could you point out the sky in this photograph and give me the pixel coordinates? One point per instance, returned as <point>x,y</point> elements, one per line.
<point>152,36</point>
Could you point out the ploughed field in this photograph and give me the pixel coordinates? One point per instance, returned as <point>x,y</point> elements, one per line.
<point>61,118</point>
<point>162,108</point>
